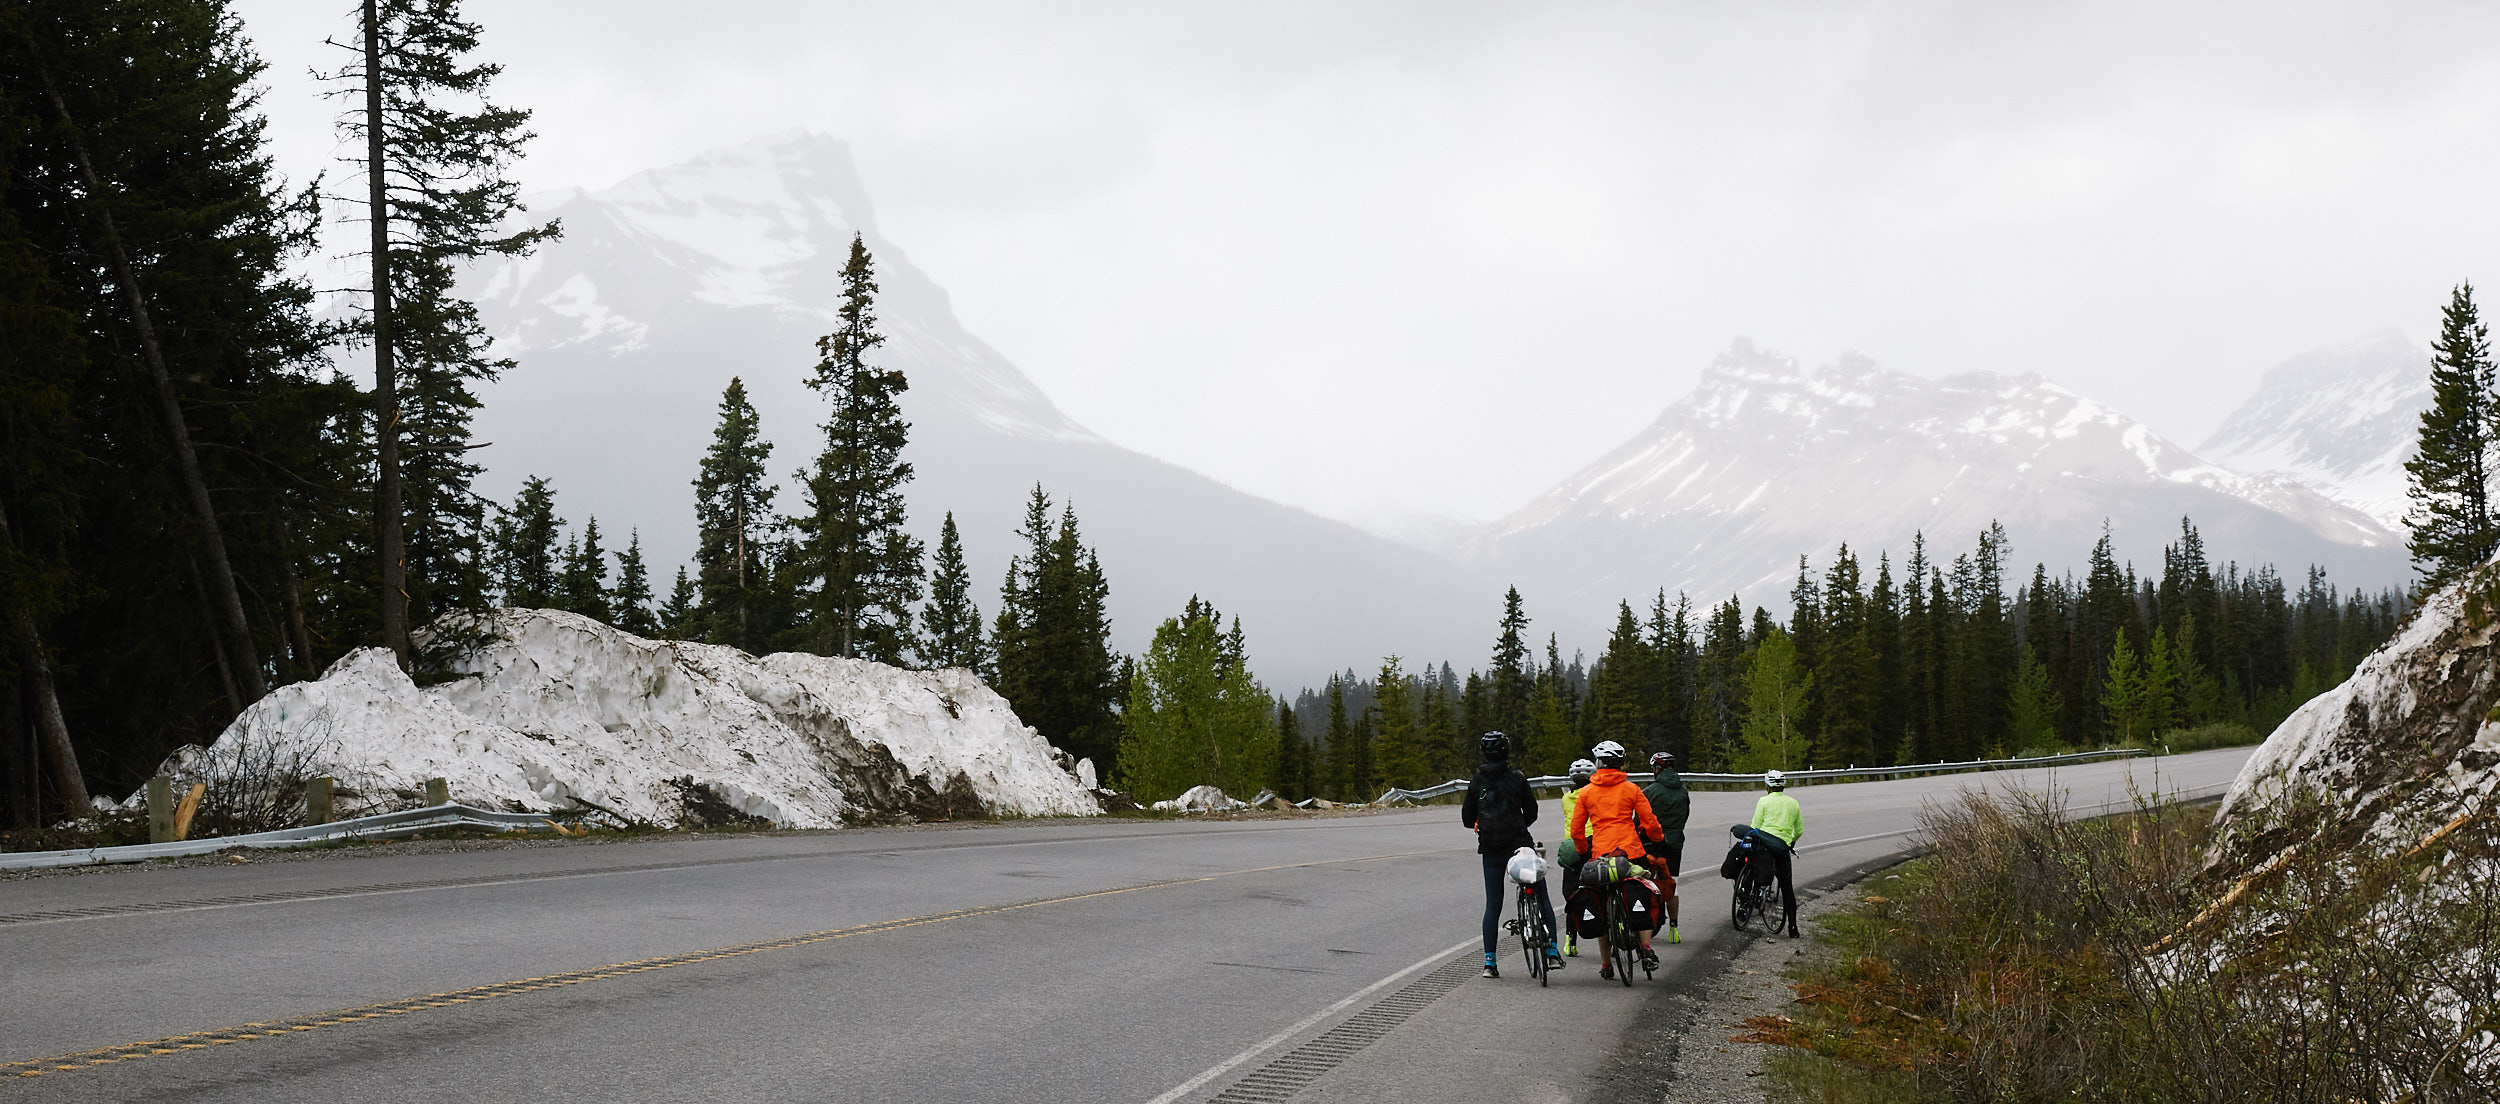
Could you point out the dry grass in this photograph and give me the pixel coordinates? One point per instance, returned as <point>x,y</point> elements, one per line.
<point>2036,958</point>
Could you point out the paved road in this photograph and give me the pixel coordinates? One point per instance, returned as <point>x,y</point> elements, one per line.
<point>1116,961</point>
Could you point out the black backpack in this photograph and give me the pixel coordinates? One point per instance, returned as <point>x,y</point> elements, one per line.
<point>1499,820</point>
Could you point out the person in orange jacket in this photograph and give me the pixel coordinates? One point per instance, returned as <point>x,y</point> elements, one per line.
<point>1613,816</point>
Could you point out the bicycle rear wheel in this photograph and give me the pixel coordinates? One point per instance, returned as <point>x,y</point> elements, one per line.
<point>1625,943</point>
<point>1528,933</point>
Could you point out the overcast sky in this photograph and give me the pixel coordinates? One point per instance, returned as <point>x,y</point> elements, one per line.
<point>1433,257</point>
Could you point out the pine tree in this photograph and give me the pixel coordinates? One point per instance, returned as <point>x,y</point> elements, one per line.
<point>1292,778</point>
<point>1777,690</point>
<point>630,602</point>
<point>735,528</point>
<point>2449,477</point>
<point>2126,697</point>
<point>1511,678</point>
<point>435,198</point>
<point>679,616</point>
<point>1053,638</point>
<point>2031,716</point>
<point>862,569</point>
<point>585,582</point>
<point>950,625</point>
<point>1396,753</point>
<point>531,569</point>
<point>1616,709</point>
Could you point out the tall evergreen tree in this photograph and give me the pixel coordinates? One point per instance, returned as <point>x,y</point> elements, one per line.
<point>950,626</point>
<point>630,603</point>
<point>862,568</point>
<point>585,580</point>
<point>1511,677</point>
<point>1053,638</point>
<point>679,616</point>
<point>2449,477</point>
<point>1396,752</point>
<point>735,528</point>
<point>532,569</point>
<point>436,197</point>
<point>1292,778</point>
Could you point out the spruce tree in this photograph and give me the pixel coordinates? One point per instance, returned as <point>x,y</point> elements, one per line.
<point>1512,676</point>
<point>530,565</point>
<point>862,569</point>
<point>436,197</point>
<point>585,580</point>
<point>2449,477</point>
<point>950,625</point>
<point>1053,638</point>
<point>735,528</point>
<point>1396,752</point>
<point>680,616</point>
<point>1292,778</point>
<point>630,603</point>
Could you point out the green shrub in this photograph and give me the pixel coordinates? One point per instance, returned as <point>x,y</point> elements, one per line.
<point>2180,741</point>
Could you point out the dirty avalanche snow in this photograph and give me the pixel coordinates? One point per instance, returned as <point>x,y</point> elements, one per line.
<point>562,711</point>
<point>2407,742</point>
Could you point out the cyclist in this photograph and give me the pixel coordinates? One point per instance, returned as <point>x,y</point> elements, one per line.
<point>1570,858</point>
<point>1672,804</point>
<point>1500,807</point>
<point>1776,818</point>
<point>1613,817</point>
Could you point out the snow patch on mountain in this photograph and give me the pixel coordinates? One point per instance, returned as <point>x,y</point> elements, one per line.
<point>559,707</point>
<point>2342,419</point>
<point>1765,460</point>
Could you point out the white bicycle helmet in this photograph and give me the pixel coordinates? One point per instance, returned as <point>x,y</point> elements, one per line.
<point>1609,753</point>
<point>1776,780</point>
<point>1581,769</point>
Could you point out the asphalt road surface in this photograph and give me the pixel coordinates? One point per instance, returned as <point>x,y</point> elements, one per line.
<point>1107,960</point>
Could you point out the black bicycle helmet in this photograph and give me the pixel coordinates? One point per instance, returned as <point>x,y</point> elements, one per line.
<point>1494,745</point>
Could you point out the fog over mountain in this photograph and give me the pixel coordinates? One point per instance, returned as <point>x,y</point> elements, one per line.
<point>671,282</point>
<point>2342,419</point>
<point>1765,460</point>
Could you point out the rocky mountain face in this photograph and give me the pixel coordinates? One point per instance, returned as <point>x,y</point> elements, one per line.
<point>1766,460</point>
<point>2342,420</point>
<point>666,285</point>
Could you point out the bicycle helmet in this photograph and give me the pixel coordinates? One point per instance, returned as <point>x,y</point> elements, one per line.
<point>1609,753</point>
<point>1664,760</point>
<point>1775,780</point>
<point>1581,769</point>
<point>1494,745</point>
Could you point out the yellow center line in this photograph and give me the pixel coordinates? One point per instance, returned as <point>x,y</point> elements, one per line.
<point>270,1029</point>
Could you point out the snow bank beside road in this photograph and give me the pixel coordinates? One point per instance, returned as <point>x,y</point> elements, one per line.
<point>560,706</point>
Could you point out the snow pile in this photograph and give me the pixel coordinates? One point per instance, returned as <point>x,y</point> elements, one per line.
<point>1202,799</point>
<point>2404,746</point>
<point>560,710</point>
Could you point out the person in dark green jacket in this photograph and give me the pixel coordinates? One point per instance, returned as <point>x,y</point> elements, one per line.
<point>1672,804</point>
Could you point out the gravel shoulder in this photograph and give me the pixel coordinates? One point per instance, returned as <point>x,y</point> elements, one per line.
<point>1681,1048</point>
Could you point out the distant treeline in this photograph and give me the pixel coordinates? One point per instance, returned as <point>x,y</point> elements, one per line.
<point>1934,662</point>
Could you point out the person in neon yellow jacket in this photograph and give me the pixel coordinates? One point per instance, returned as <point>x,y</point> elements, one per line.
<point>1570,856</point>
<point>1777,817</point>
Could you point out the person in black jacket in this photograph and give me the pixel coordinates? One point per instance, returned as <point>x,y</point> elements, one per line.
<point>1500,807</point>
<point>1672,804</point>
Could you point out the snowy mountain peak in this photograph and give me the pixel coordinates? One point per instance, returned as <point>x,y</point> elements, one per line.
<point>2342,419</point>
<point>1765,460</point>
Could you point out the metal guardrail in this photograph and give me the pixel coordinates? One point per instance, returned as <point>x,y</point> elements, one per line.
<point>1559,781</point>
<point>377,826</point>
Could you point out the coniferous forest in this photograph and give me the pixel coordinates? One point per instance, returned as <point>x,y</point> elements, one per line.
<point>210,488</point>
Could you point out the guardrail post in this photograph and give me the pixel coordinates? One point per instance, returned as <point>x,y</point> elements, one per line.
<point>437,792</point>
<point>317,801</point>
<point>160,809</point>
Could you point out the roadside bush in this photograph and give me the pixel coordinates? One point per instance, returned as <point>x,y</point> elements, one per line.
<point>2180,741</point>
<point>2034,958</point>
